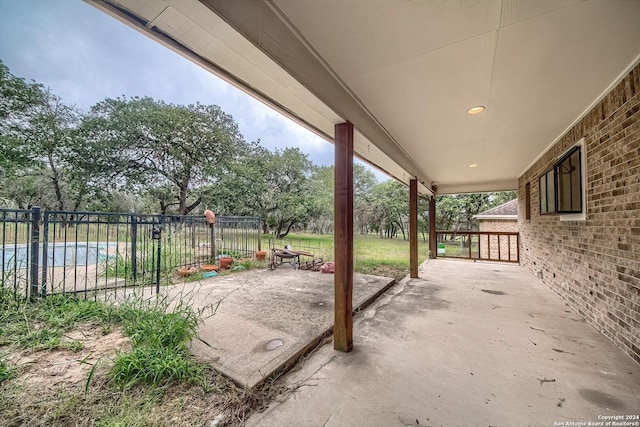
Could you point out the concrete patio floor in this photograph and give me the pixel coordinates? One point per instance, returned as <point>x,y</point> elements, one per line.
<point>466,344</point>
<point>258,322</point>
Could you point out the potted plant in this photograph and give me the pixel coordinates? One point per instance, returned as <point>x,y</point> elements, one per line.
<point>225,262</point>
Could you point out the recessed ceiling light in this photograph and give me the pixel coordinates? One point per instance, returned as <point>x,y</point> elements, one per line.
<point>473,165</point>
<point>475,110</point>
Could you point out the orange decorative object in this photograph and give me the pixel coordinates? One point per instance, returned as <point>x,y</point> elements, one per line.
<point>210,217</point>
<point>184,271</point>
<point>261,255</point>
<point>209,267</point>
<point>225,262</point>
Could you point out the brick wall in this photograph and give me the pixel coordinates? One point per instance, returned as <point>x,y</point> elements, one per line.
<point>594,265</point>
<point>508,247</point>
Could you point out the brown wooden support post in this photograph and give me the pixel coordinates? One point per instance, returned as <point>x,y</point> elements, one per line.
<point>343,238</point>
<point>433,238</point>
<point>413,228</point>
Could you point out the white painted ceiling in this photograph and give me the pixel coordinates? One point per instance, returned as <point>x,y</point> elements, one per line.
<point>406,71</point>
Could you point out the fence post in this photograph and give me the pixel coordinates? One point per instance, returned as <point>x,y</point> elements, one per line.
<point>212,244</point>
<point>45,253</point>
<point>134,249</point>
<point>159,256</point>
<point>35,250</point>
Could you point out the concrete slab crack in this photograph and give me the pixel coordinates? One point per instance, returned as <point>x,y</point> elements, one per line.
<point>545,380</point>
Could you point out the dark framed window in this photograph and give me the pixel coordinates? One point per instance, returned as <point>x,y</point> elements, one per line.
<point>546,185</point>
<point>568,182</point>
<point>561,187</point>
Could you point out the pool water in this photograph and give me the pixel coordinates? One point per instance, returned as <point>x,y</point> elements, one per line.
<point>58,254</point>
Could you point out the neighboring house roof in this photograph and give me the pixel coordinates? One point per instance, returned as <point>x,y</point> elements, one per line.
<point>507,210</point>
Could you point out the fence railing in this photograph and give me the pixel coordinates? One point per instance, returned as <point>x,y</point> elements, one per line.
<point>479,245</point>
<point>52,252</point>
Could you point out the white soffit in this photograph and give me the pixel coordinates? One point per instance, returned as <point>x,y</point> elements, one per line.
<point>409,70</point>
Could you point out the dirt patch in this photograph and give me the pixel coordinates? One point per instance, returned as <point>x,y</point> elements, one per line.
<point>389,271</point>
<point>49,388</point>
<point>51,368</point>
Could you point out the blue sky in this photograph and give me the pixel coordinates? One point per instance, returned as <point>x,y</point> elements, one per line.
<point>85,56</point>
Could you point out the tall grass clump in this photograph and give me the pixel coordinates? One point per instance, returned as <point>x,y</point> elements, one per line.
<point>6,371</point>
<point>119,267</point>
<point>160,335</point>
<point>146,266</point>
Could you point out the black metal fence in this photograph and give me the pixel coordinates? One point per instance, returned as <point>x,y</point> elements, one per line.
<point>54,252</point>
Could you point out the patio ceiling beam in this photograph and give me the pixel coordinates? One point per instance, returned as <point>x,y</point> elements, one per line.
<point>263,24</point>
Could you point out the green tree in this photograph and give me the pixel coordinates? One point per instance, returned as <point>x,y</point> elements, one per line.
<point>147,146</point>
<point>322,192</point>
<point>423,217</point>
<point>364,181</point>
<point>456,211</point>
<point>322,189</point>
<point>390,208</point>
<point>272,185</point>
<point>288,190</point>
<point>243,189</point>
<point>23,192</point>
<point>18,100</point>
<point>37,135</point>
<point>51,136</point>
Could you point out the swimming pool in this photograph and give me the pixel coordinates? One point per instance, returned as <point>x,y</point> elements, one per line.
<point>16,256</point>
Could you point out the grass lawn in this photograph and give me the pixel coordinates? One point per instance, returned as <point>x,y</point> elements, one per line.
<point>371,254</point>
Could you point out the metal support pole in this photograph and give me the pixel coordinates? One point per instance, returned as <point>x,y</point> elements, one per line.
<point>259,234</point>
<point>134,248</point>
<point>159,256</point>
<point>45,254</point>
<point>35,250</point>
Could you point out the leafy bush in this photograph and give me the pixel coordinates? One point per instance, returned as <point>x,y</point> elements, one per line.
<point>159,336</point>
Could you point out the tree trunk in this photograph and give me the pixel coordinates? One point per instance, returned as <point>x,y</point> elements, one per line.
<point>192,206</point>
<point>182,199</point>
<point>163,207</point>
<point>56,183</point>
<point>404,236</point>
